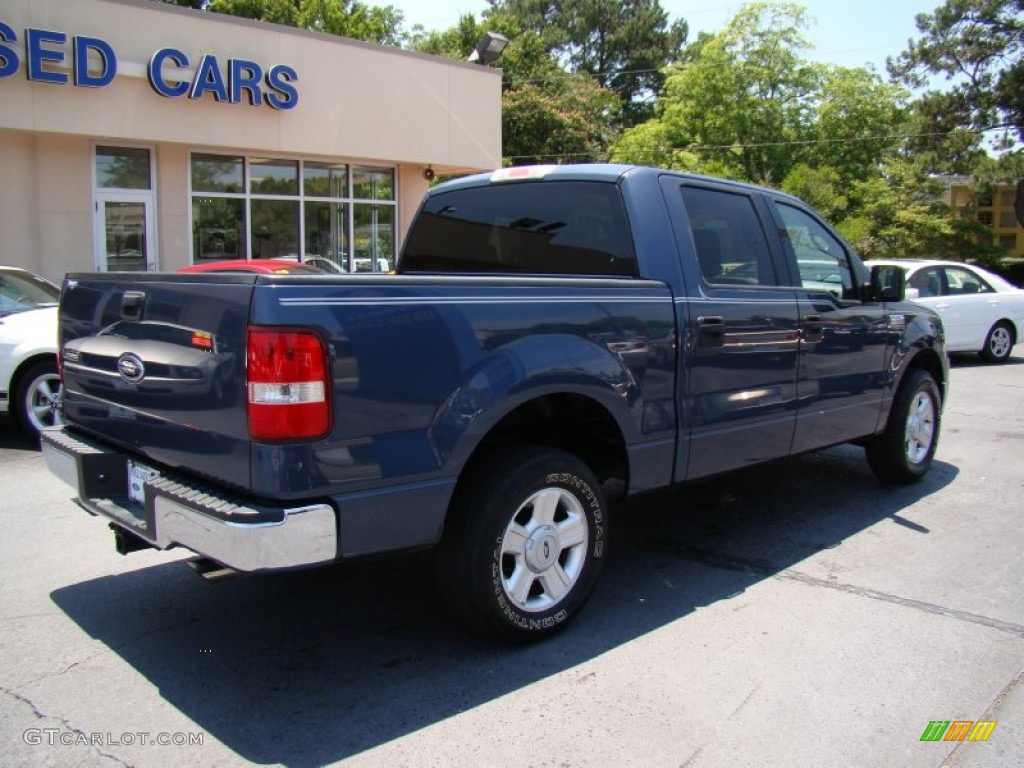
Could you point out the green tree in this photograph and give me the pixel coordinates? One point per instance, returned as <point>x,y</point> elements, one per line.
<point>902,215</point>
<point>747,104</point>
<point>978,45</point>
<point>347,18</point>
<point>560,120</point>
<point>623,44</point>
<point>453,43</point>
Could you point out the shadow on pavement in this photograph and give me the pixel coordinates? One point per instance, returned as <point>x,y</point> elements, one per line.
<point>310,668</point>
<point>12,438</point>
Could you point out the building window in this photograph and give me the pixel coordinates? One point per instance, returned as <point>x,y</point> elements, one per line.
<point>123,168</point>
<point>985,217</point>
<point>1007,219</point>
<point>1009,242</point>
<point>1006,197</point>
<point>263,208</point>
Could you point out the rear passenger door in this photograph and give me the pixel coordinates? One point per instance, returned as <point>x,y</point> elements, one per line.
<point>738,370</point>
<point>842,379</point>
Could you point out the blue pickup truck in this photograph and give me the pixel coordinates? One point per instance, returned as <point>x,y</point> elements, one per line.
<point>554,339</point>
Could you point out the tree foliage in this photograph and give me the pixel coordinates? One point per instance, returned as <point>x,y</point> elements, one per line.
<point>978,45</point>
<point>561,120</point>
<point>623,44</point>
<point>747,104</point>
<point>347,18</point>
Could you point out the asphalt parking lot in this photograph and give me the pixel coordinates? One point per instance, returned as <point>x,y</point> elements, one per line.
<point>799,614</point>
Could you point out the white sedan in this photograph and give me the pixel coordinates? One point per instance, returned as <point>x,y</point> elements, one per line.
<point>981,311</point>
<point>30,388</point>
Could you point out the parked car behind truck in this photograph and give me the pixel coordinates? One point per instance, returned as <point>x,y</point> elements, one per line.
<point>981,311</point>
<point>29,384</point>
<point>555,338</point>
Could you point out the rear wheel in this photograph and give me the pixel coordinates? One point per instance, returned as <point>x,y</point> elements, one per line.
<point>525,544</point>
<point>998,343</point>
<point>37,402</point>
<point>904,452</point>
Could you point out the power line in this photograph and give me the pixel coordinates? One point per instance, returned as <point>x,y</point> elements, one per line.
<point>756,145</point>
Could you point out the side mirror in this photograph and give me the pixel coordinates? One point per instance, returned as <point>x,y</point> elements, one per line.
<point>888,283</point>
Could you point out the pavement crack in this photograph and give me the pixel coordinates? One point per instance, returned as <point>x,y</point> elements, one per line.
<point>724,561</point>
<point>107,649</point>
<point>987,715</point>
<point>78,736</point>
<point>1002,626</point>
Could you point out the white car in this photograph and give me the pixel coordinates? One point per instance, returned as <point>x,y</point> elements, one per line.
<point>981,311</point>
<point>30,388</point>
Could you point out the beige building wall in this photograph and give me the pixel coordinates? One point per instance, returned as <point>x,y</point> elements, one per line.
<point>358,103</point>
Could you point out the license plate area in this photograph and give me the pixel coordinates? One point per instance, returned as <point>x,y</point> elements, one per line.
<point>138,474</point>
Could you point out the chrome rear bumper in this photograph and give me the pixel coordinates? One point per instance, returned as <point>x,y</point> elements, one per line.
<point>180,512</point>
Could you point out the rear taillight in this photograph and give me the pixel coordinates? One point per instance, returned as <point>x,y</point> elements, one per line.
<point>288,384</point>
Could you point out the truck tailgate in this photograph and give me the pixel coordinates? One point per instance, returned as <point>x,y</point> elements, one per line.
<point>155,363</point>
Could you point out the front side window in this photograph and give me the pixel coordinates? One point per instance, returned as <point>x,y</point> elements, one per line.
<point>302,210</point>
<point>728,237</point>
<point>542,228</point>
<point>822,261</point>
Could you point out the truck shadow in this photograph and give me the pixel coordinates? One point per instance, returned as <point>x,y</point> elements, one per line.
<point>314,667</point>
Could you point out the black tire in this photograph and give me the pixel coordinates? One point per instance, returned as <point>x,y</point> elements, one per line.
<point>524,545</point>
<point>903,453</point>
<point>37,398</point>
<point>998,343</point>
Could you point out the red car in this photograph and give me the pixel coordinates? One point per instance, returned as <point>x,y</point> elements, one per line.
<point>264,266</point>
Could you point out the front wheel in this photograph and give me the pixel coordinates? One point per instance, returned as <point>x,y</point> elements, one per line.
<point>37,402</point>
<point>998,343</point>
<point>903,453</point>
<point>525,543</point>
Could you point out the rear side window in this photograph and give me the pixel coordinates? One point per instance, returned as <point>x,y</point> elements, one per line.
<point>728,238</point>
<point>541,228</point>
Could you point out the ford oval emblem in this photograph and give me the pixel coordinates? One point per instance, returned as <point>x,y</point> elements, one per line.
<point>131,368</point>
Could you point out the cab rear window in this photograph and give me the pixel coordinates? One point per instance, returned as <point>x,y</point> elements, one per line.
<point>541,228</point>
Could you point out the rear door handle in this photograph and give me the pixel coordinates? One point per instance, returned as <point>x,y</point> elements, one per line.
<point>710,331</point>
<point>814,328</point>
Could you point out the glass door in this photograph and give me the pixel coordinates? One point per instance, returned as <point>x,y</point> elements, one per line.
<point>125,209</point>
<point>125,232</point>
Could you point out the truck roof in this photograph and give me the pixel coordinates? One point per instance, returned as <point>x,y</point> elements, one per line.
<point>604,172</point>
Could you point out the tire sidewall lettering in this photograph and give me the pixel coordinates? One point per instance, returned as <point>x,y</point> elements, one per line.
<point>594,514</point>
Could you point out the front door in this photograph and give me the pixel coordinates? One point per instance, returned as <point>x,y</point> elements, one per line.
<point>125,209</point>
<point>844,341</point>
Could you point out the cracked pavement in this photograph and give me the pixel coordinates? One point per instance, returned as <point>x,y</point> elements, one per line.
<point>798,614</point>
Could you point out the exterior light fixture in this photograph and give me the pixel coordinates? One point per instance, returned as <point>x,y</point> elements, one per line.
<point>489,49</point>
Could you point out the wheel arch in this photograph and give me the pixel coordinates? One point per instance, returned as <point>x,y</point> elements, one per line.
<point>573,422</point>
<point>1013,325</point>
<point>929,360</point>
<point>24,366</point>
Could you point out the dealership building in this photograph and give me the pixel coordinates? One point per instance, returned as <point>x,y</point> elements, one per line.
<point>142,136</point>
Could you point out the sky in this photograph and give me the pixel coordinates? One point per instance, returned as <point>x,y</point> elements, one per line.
<point>849,33</point>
